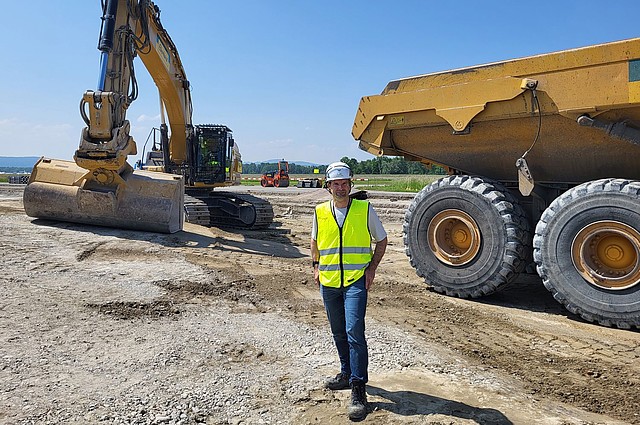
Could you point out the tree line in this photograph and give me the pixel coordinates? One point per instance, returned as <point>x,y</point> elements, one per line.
<point>379,165</point>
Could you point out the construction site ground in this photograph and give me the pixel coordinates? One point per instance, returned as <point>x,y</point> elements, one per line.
<point>215,326</point>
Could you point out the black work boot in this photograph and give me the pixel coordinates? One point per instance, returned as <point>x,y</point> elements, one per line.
<point>339,382</point>
<point>357,410</point>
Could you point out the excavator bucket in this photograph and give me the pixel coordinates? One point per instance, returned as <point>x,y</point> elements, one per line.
<point>148,201</point>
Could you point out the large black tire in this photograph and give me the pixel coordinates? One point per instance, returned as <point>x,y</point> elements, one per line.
<point>488,219</point>
<point>587,251</point>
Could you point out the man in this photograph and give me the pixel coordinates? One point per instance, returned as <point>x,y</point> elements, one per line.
<point>344,269</point>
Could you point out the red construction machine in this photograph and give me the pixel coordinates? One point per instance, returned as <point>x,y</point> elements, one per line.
<point>279,178</point>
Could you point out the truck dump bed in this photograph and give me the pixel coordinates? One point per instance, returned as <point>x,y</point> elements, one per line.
<point>481,119</point>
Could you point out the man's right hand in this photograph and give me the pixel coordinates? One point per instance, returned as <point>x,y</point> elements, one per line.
<point>316,275</point>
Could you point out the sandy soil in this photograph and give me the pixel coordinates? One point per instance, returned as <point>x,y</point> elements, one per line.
<point>211,326</point>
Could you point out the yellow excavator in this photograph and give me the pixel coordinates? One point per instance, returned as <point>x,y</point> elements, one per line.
<point>572,205</point>
<point>177,179</point>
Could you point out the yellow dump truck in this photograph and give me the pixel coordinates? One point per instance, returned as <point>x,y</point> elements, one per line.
<point>543,155</point>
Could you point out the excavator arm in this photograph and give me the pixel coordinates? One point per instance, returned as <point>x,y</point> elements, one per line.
<point>132,28</point>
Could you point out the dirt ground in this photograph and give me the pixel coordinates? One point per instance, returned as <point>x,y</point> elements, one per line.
<point>210,326</point>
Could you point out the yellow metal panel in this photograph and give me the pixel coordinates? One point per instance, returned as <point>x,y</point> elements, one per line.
<point>457,104</point>
<point>620,51</point>
<point>603,87</point>
<point>57,171</point>
<point>634,92</point>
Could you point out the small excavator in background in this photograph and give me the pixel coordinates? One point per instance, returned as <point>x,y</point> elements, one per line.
<point>279,178</point>
<point>177,180</point>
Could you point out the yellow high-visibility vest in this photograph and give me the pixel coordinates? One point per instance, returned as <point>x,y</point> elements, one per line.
<point>344,253</point>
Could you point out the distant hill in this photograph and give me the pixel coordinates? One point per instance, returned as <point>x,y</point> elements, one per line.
<point>18,161</point>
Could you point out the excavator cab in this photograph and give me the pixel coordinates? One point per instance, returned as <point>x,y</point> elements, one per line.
<point>213,151</point>
<point>213,159</point>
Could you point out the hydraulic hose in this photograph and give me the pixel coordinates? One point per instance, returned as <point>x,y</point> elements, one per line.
<point>106,38</point>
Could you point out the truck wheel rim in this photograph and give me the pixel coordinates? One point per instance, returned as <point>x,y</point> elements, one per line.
<point>606,254</point>
<point>454,237</point>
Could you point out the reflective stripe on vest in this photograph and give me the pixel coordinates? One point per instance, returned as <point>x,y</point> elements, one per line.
<point>344,253</point>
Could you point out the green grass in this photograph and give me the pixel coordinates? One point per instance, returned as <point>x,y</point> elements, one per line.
<point>250,183</point>
<point>404,183</point>
<point>4,179</point>
<point>386,182</point>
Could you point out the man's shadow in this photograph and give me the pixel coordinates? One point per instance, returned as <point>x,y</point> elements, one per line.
<point>409,403</point>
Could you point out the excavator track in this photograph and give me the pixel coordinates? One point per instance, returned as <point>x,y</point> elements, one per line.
<point>228,209</point>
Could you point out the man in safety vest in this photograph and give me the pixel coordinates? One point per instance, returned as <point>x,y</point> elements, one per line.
<point>344,267</point>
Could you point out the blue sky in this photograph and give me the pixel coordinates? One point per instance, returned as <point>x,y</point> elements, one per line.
<point>285,75</point>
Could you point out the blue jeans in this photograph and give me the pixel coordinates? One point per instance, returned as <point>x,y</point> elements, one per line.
<point>346,308</point>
